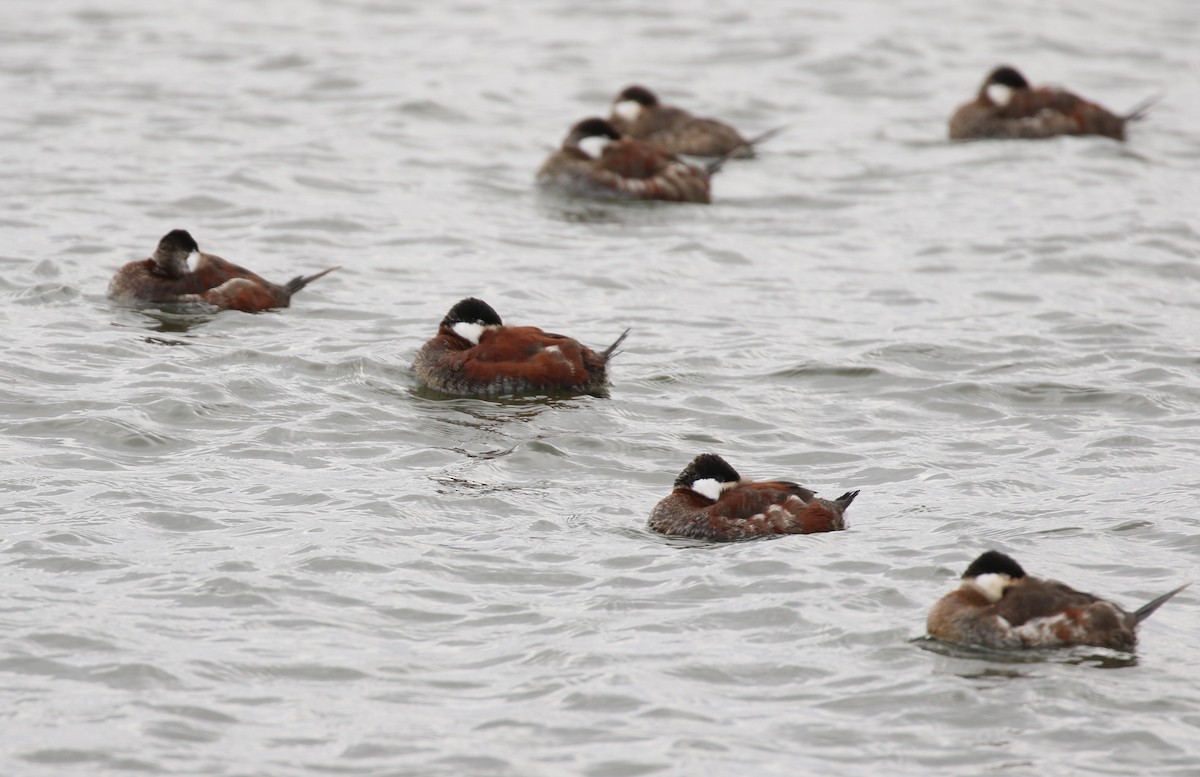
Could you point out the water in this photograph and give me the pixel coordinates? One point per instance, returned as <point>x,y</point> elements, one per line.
<point>244,545</point>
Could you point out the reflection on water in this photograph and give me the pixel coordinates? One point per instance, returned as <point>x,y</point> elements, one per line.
<point>179,319</point>
<point>1102,658</point>
<point>548,399</point>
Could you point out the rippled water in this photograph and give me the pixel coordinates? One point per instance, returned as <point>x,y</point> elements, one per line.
<point>241,545</point>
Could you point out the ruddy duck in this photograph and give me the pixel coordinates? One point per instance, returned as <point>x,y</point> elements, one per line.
<point>165,278</point>
<point>475,354</point>
<point>1008,107</point>
<point>622,168</point>
<point>637,113</point>
<point>997,605</point>
<point>711,501</point>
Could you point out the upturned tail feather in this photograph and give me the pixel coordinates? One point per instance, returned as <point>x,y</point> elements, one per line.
<point>766,135</point>
<point>611,350</point>
<point>300,281</point>
<point>1139,111</point>
<point>1147,609</point>
<point>715,165</point>
<point>845,499</point>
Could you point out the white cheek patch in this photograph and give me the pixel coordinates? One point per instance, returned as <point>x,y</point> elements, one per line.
<point>629,110</point>
<point>707,487</point>
<point>711,487</point>
<point>999,94</point>
<point>469,332</point>
<point>594,146</point>
<point>992,585</point>
<point>193,257</point>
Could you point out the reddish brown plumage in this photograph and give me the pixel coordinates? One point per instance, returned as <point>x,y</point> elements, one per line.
<point>676,130</point>
<point>166,278</point>
<point>626,168</point>
<point>743,509</point>
<point>634,159</point>
<point>1032,612</point>
<point>1033,112</point>
<point>508,359</point>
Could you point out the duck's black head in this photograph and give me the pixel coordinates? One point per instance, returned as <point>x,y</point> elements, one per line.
<point>1006,75</point>
<point>638,94</point>
<point>173,251</point>
<point>591,128</point>
<point>472,311</point>
<point>708,474</point>
<point>469,317</point>
<point>994,562</point>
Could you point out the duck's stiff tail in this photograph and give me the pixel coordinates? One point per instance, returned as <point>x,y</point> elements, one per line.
<point>766,135</point>
<point>1139,111</point>
<point>746,149</point>
<point>1147,609</point>
<point>611,350</point>
<point>845,499</point>
<point>300,281</point>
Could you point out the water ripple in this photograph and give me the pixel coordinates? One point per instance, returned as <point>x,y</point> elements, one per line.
<point>252,544</point>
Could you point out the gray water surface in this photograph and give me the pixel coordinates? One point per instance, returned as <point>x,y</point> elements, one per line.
<point>251,545</point>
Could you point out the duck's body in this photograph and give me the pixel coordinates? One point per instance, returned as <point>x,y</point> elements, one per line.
<point>1008,107</point>
<point>638,113</point>
<point>474,354</point>
<point>623,169</point>
<point>166,279</point>
<point>711,501</point>
<point>998,605</point>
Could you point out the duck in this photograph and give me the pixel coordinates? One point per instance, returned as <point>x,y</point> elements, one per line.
<point>711,501</point>
<point>475,354</point>
<point>637,113</point>
<point>166,278</point>
<point>1008,107</point>
<point>997,605</point>
<point>595,160</point>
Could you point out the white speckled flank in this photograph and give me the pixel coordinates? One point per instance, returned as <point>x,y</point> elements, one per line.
<point>1042,631</point>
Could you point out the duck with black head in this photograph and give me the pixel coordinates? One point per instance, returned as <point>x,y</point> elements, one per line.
<point>1006,106</point>
<point>997,605</point>
<point>638,113</point>
<point>475,354</point>
<point>166,279</point>
<point>711,501</point>
<point>596,161</point>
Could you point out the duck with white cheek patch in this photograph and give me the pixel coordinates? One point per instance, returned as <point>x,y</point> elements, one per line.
<point>997,605</point>
<point>711,501</point>
<point>166,279</point>
<point>596,161</point>
<point>1006,106</point>
<point>475,354</point>
<point>637,113</point>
